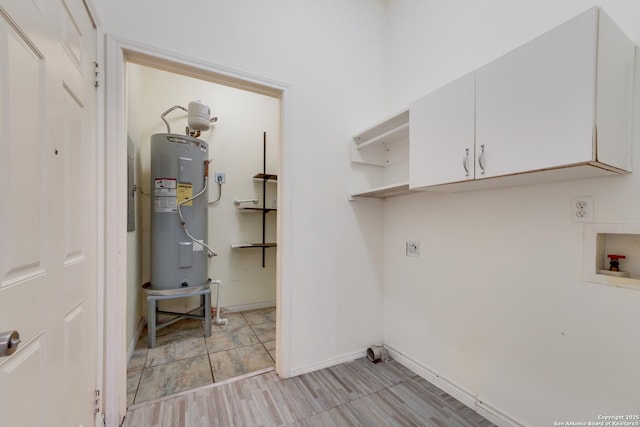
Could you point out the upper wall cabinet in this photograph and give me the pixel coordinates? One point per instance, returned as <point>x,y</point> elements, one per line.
<point>442,135</point>
<point>562,99</point>
<point>559,105</point>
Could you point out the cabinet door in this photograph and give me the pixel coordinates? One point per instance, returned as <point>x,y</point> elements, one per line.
<point>535,105</point>
<point>441,135</point>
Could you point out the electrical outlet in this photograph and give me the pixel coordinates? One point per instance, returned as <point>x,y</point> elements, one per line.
<point>219,177</point>
<point>413,248</point>
<point>582,209</point>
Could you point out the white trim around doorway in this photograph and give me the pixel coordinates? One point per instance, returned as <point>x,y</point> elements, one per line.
<point>117,53</point>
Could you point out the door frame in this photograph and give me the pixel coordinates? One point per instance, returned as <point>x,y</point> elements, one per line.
<point>118,52</point>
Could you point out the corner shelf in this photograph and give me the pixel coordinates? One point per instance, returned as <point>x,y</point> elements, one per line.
<point>265,210</point>
<point>253,245</point>
<point>385,145</point>
<point>264,177</point>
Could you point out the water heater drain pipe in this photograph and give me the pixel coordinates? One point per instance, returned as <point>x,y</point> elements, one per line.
<point>218,321</point>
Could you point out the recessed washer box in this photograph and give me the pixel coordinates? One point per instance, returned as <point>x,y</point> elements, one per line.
<point>601,240</point>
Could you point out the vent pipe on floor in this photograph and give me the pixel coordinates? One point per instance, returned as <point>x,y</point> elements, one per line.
<point>377,353</point>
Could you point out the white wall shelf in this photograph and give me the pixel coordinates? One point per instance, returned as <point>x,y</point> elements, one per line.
<point>384,143</point>
<point>385,146</point>
<point>386,191</point>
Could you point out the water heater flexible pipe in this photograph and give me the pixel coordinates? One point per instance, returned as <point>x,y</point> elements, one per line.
<point>167,112</point>
<point>211,252</point>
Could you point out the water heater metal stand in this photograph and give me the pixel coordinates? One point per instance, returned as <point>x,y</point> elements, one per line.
<point>153,296</point>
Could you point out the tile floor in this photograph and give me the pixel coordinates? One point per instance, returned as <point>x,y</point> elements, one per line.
<point>183,359</point>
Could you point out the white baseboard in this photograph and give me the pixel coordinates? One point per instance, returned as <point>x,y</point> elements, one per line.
<point>349,357</point>
<point>472,401</point>
<point>136,338</point>
<point>246,307</point>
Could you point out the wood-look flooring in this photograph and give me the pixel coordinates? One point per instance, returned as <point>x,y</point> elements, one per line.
<point>357,393</point>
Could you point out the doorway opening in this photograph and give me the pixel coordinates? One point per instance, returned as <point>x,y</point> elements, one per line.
<point>244,146</point>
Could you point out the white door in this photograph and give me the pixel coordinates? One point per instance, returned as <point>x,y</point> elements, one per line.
<point>535,105</point>
<point>442,135</point>
<point>48,208</point>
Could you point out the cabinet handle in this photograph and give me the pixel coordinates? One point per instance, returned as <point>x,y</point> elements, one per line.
<point>465,162</point>
<point>481,160</point>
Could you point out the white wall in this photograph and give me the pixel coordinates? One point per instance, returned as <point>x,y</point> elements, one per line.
<point>496,303</point>
<point>329,53</point>
<point>235,146</point>
<point>431,42</point>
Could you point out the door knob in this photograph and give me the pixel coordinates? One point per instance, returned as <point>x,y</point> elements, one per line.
<point>9,342</point>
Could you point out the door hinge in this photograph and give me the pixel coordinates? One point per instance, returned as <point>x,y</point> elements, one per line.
<point>96,68</point>
<point>98,401</point>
